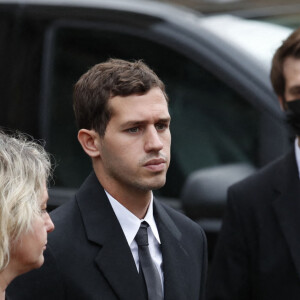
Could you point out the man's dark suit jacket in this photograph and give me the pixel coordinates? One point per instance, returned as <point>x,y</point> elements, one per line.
<point>88,256</point>
<point>258,252</point>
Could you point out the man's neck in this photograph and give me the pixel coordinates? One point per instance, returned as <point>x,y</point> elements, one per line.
<point>135,202</point>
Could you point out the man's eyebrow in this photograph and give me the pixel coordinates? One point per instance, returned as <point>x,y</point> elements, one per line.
<point>294,89</point>
<point>165,120</point>
<point>142,122</point>
<point>133,123</point>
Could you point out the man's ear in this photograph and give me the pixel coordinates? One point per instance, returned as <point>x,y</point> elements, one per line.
<point>89,140</point>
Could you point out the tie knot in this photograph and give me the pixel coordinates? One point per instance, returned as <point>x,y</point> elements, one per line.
<point>141,237</point>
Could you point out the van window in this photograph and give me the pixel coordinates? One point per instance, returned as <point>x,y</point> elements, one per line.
<point>211,124</point>
<point>20,61</point>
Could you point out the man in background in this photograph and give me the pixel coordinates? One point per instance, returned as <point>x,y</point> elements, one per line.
<point>258,252</point>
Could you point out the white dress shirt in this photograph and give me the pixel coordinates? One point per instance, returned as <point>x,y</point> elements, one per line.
<point>297,152</point>
<point>130,225</point>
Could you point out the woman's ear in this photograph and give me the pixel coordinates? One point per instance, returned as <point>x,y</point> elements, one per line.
<point>89,140</point>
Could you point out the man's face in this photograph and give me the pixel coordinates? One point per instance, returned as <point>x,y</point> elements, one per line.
<point>135,150</point>
<point>291,71</point>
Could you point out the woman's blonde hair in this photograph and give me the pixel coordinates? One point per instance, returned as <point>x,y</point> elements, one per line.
<point>24,170</point>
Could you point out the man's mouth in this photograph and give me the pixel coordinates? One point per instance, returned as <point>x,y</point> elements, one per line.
<point>156,164</point>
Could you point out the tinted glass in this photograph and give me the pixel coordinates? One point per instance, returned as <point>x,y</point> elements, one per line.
<point>21,42</point>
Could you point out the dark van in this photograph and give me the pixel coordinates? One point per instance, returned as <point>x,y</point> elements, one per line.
<point>226,121</point>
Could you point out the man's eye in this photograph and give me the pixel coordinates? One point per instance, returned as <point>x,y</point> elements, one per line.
<point>133,130</point>
<point>161,126</point>
<point>43,210</point>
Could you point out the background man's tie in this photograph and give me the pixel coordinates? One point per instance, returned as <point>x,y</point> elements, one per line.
<point>147,266</point>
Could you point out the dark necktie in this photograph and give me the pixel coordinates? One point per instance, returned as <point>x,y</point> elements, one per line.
<point>147,266</point>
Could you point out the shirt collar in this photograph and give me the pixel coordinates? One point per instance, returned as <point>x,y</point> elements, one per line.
<point>297,152</point>
<point>129,222</point>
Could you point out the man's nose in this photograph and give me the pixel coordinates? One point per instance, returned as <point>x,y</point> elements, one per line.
<point>153,140</point>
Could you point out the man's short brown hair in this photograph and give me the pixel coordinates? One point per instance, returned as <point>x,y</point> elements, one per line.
<point>104,81</point>
<point>289,48</point>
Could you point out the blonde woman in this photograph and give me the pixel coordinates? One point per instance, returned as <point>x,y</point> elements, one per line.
<point>24,221</point>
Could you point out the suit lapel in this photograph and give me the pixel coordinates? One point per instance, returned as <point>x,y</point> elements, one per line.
<point>175,259</point>
<point>114,259</point>
<point>117,265</point>
<point>287,205</point>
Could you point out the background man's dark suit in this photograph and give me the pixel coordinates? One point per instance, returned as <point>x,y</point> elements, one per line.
<point>258,253</point>
<point>88,257</point>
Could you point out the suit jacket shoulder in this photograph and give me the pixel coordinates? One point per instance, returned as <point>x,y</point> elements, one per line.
<point>185,224</point>
<point>257,254</point>
<point>261,186</point>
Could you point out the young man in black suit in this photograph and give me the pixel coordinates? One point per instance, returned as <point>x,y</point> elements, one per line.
<point>122,112</point>
<point>258,252</point>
